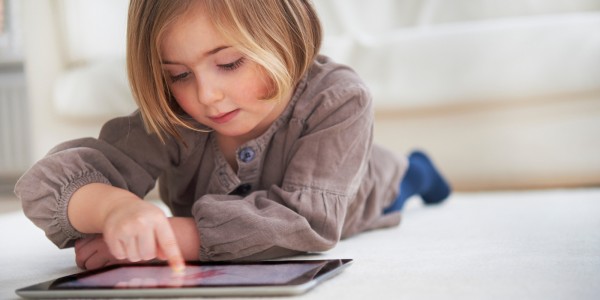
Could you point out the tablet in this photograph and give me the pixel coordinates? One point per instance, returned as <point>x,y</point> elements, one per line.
<point>264,278</point>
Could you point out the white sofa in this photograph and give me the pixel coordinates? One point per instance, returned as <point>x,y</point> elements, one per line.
<point>504,94</point>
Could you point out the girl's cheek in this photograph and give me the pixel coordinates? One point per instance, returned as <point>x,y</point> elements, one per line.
<point>265,87</point>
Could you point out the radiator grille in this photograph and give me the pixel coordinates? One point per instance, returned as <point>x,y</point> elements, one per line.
<point>14,129</point>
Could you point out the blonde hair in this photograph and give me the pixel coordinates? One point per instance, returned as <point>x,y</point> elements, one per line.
<point>282,36</point>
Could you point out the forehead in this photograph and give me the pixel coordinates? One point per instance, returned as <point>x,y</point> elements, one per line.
<point>192,28</point>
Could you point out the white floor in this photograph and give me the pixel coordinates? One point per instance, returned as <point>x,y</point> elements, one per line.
<point>504,245</point>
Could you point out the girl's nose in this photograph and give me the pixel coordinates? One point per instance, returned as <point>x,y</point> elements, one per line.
<point>209,92</point>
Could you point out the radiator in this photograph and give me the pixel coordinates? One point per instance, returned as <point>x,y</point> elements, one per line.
<point>14,129</point>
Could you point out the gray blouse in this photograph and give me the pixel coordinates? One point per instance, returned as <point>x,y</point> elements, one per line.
<point>313,178</point>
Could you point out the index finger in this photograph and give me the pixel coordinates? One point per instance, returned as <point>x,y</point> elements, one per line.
<point>169,247</point>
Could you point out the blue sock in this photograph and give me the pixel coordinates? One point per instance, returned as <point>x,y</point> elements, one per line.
<point>421,178</point>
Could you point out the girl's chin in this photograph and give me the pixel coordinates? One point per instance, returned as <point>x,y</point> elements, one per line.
<point>231,132</point>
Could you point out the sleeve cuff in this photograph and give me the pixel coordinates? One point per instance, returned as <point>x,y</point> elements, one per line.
<point>65,196</point>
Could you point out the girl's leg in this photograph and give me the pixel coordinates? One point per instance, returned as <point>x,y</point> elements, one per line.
<point>423,179</point>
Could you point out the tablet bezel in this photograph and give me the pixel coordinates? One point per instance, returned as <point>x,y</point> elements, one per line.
<point>297,286</point>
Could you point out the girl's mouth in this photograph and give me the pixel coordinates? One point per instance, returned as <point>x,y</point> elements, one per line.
<point>224,117</point>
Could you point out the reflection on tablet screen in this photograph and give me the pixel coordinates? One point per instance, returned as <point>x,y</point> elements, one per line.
<point>195,275</point>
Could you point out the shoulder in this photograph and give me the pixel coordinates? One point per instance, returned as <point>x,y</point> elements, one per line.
<point>331,91</point>
<point>129,134</point>
<point>329,77</point>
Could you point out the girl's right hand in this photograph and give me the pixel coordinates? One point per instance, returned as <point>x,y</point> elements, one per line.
<point>136,230</point>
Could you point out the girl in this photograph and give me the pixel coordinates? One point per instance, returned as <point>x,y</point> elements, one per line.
<point>263,147</point>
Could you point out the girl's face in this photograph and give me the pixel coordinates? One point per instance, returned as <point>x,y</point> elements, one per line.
<point>215,83</point>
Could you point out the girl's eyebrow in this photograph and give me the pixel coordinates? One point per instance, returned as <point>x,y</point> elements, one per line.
<point>211,52</point>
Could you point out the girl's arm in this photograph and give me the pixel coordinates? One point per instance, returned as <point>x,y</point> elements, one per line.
<point>92,252</point>
<point>124,156</point>
<point>133,229</point>
<point>88,215</point>
<point>115,170</point>
<point>187,236</point>
<point>328,150</point>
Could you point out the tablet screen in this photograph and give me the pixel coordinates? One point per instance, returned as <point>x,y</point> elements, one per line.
<point>195,275</point>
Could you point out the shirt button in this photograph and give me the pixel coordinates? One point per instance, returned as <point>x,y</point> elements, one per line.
<point>246,154</point>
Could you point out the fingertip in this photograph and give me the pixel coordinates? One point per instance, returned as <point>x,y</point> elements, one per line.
<point>177,265</point>
<point>169,248</point>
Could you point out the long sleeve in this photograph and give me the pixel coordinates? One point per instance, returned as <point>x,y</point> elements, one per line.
<point>46,188</point>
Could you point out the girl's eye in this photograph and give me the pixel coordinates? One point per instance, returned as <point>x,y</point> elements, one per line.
<point>232,66</point>
<point>178,77</point>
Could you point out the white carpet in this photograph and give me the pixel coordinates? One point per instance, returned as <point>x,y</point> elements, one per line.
<point>509,245</point>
